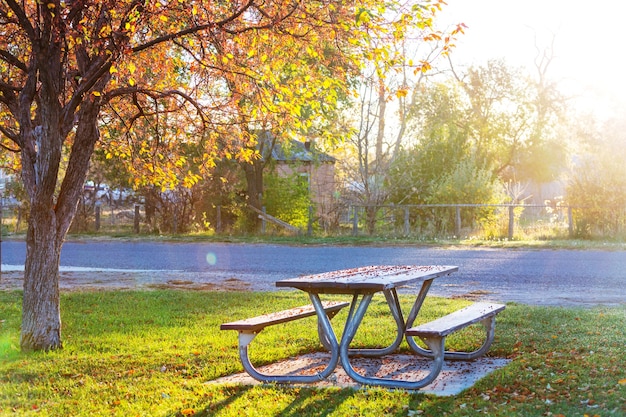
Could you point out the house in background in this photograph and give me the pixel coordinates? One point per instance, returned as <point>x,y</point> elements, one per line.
<point>316,168</point>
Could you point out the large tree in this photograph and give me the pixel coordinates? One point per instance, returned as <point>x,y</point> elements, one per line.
<point>76,72</point>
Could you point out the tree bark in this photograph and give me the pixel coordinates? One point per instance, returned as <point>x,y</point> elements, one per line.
<point>254,189</point>
<point>41,312</point>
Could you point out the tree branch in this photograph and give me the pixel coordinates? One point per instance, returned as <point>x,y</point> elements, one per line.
<point>90,79</point>
<point>12,136</point>
<point>221,24</point>
<point>22,19</point>
<point>156,94</point>
<point>11,59</point>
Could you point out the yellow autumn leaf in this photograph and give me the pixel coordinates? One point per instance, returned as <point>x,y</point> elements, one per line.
<point>131,81</point>
<point>163,18</point>
<point>112,70</point>
<point>622,381</point>
<point>96,93</point>
<point>132,68</point>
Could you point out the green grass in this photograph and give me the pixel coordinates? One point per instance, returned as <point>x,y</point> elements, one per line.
<point>150,353</point>
<point>361,240</point>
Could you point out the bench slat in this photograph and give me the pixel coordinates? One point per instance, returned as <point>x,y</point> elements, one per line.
<point>457,320</point>
<point>258,323</point>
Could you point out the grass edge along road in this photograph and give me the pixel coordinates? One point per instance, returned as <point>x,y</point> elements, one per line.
<point>152,352</point>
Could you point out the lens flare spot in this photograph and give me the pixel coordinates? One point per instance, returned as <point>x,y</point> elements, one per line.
<point>211,258</point>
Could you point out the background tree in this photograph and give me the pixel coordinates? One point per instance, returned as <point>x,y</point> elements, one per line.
<point>597,184</point>
<point>476,132</point>
<point>379,115</point>
<point>72,71</point>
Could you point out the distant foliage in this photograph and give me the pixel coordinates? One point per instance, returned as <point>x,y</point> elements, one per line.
<point>471,184</point>
<point>598,185</point>
<point>288,199</point>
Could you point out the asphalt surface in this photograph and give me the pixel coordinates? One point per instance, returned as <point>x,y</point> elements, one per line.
<point>538,277</point>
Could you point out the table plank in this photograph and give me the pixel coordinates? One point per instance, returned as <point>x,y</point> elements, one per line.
<point>367,279</point>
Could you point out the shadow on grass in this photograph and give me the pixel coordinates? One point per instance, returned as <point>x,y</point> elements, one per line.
<point>234,394</point>
<point>288,401</point>
<point>323,406</point>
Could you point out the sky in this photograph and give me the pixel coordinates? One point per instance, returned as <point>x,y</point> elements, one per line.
<point>589,49</point>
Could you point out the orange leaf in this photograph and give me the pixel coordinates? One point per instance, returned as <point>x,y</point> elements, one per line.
<point>622,381</point>
<point>188,412</point>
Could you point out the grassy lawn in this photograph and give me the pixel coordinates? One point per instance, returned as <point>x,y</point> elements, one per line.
<point>150,353</point>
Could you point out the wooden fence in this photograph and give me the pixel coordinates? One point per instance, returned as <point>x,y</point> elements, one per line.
<point>413,221</point>
<point>405,217</point>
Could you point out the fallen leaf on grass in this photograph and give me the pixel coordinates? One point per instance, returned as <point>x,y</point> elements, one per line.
<point>188,412</point>
<point>622,381</point>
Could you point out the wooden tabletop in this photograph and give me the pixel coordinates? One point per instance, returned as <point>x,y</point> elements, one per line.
<point>366,279</point>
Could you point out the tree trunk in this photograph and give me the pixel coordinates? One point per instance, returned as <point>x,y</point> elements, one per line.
<point>254,189</point>
<point>41,311</point>
<point>380,134</point>
<point>50,218</point>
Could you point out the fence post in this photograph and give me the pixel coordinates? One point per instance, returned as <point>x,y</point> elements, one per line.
<point>309,231</point>
<point>355,221</point>
<point>406,221</point>
<point>570,221</point>
<point>511,221</point>
<point>457,222</point>
<point>136,219</point>
<point>97,216</point>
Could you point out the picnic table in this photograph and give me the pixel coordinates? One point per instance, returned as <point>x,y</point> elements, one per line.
<point>362,284</point>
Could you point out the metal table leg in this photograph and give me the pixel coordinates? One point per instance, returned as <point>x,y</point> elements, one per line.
<point>396,312</point>
<point>435,345</point>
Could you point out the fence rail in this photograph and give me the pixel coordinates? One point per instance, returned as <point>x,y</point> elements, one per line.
<point>413,221</point>
<point>553,215</point>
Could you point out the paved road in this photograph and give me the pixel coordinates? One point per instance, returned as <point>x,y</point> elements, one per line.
<point>542,277</point>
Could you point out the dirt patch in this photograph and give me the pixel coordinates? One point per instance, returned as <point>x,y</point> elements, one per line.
<point>475,295</point>
<point>454,377</point>
<point>127,280</point>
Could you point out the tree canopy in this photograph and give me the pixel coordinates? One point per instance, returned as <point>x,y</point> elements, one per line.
<point>145,78</point>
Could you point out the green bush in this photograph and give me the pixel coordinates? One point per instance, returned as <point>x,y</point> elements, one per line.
<point>288,198</point>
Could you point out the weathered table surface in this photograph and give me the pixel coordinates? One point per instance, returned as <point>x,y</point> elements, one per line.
<point>367,279</point>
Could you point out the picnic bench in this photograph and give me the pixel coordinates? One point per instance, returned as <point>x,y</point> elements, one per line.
<point>249,328</point>
<point>362,284</point>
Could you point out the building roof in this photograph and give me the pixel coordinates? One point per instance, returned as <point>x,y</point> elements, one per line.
<point>292,150</point>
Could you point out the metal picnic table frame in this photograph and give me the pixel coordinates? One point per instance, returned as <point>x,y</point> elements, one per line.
<point>363,283</point>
